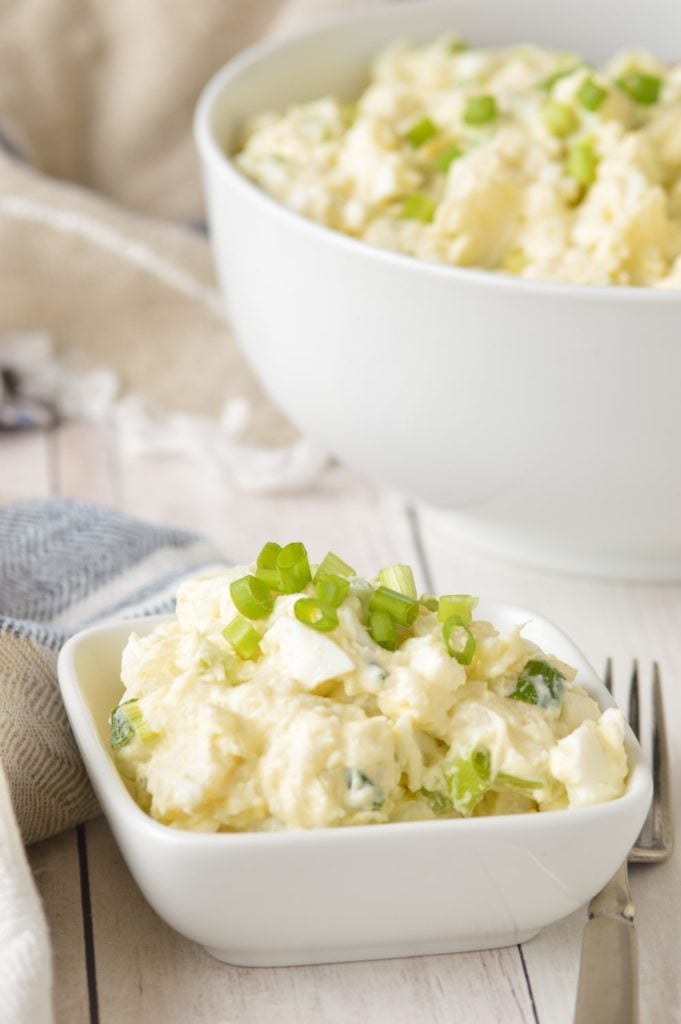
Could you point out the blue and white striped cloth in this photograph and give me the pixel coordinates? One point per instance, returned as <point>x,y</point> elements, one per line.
<point>65,565</point>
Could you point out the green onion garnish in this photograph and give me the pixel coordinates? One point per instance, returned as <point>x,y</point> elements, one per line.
<point>591,95</point>
<point>462,605</point>
<point>582,162</point>
<point>251,597</point>
<point>311,612</point>
<point>332,590</point>
<point>439,802</point>
<point>126,721</point>
<point>267,559</point>
<point>641,88</point>
<point>559,119</point>
<point>468,779</point>
<point>459,640</point>
<point>457,46</point>
<point>401,609</point>
<point>447,157</point>
<point>332,565</point>
<point>266,564</point>
<point>245,640</point>
<point>421,132</point>
<point>429,602</point>
<point>539,683</point>
<point>293,568</point>
<point>419,207</point>
<point>480,110</point>
<point>382,630</point>
<point>399,578</point>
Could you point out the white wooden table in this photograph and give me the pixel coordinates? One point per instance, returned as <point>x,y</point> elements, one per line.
<point>115,961</point>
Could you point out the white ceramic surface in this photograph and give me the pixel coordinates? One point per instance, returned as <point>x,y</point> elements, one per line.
<point>547,417</point>
<point>360,892</point>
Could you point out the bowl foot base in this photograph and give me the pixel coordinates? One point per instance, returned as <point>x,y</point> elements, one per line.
<point>334,955</point>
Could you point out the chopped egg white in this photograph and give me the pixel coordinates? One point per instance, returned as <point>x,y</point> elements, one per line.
<point>330,728</point>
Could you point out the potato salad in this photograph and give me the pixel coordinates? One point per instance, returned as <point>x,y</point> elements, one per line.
<point>521,160</point>
<point>283,695</point>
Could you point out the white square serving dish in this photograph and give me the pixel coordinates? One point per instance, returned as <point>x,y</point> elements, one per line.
<point>359,892</point>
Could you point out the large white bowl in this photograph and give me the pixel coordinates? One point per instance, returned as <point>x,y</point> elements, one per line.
<point>548,417</point>
<point>364,891</point>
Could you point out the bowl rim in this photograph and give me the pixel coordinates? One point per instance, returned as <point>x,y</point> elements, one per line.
<point>223,165</point>
<point>118,803</point>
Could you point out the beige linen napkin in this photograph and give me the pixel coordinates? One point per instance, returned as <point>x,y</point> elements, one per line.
<point>98,191</point>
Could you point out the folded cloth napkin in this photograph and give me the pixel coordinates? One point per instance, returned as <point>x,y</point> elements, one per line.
<point>100,199</point>
<point>63,565</point>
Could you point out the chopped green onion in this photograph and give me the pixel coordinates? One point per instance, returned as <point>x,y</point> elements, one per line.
<point>251,597</point>
<point>269,577</point>
<point>362,791</point>
<point>429,602</point>
<point>419,207</point>
<point>559,119</point>
<point>447,157</point>
<point>459,640</point>
<point>539,683</point>
<point>480,110</point>
<point>421,132</point>
<point>439,802</point>
<point>591,95</point>
<point>311,612</point>
<point>457,46</point>
<point>245,640</point>
<point>382,630</point>
<point>462,605</point>
<point>266,564</point>
<point>293,568</point>
<point>582,162</point>
<point>517,783</point>
<point>468,779</point>
<point>401,608</point>
<point>332,590</point>
<point>332,565</point>
<point>399,578</point>
<point>267,559</point>
<point>126,721</point>
<point>561,72</point>
<point>641,88</point>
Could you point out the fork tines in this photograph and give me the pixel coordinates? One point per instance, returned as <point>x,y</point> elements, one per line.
<point>657,835</point>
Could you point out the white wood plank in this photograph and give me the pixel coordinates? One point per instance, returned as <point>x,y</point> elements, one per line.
<point>148,972</point>
<point>342,512</point>
<point>25,465</point>
<point>55,868</point>
<point>604,618</point>
<point>86,463</point>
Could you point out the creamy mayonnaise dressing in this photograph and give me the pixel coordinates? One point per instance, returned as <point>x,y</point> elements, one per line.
<point>329,728</point>
<point>519,160</point>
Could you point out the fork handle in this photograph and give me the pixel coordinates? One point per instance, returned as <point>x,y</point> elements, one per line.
<point>608,970</point>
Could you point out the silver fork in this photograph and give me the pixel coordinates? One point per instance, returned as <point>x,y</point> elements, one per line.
<point>607,992</point>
